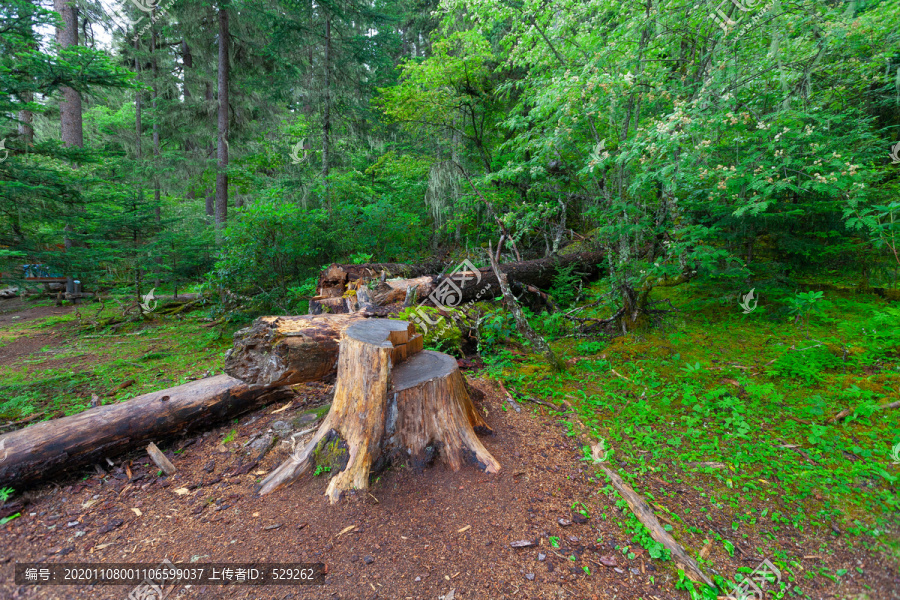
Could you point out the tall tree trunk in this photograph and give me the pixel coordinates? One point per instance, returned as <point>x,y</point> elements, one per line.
<point>137,105</point>
<point>70,104</point>
<point>71,130</point>
<point>187,63</point>
<point>210,193</point>
<point>138,154</point>
<point>155,66</point>
<point>157,194</point>
<point>26,130</point>
<point>326,119</point>
<point>222,155</point>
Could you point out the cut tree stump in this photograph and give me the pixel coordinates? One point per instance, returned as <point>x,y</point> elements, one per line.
<point>387,407</point>
<point>44,449</point>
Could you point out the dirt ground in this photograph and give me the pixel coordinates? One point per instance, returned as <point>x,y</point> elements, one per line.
<point>436,535</point>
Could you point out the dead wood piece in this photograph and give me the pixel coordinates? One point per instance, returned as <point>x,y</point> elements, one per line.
<point>461,285</point>
<point>333,306</point>
<point>382,410</point>
<point>847,412</point>
<point>121,386</point>
<point>160,459</point>
<point>277,351</point>
<point>539,343</point>
<point>645,514</point>
<point>334,279</point>
<point>45,449</point>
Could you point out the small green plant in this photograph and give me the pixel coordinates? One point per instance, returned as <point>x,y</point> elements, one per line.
<point>554,541</point>
<point>321,469</point>
<point>589,347</point>
<point>230,437</point>
<point>802,305</point>
<point>567,284</point>
<point>5,494</point>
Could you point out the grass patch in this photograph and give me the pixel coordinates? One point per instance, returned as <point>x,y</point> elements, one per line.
<point>752,395</point>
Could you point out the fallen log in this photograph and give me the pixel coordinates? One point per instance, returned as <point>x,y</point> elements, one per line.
<point>334,279</point>
<point>277,351</point>
<point>35,453</point>
<point>461,285</point>
<point>383,410</point>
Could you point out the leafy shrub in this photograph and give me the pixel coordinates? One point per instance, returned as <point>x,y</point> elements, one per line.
<point>805,364</point>
<point>496,328</point>
<point>16,408</point>
<point>589,347</point>
<point>566,285</point>
<point>270,247</point>
<point>441,333</point>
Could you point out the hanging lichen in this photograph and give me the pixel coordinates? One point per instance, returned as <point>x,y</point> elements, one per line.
<point>443,192</point>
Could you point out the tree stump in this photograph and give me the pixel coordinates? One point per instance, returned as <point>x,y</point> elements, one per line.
<point>392,400</point>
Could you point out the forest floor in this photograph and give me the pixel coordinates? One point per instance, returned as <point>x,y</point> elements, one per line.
<point>731,501</point>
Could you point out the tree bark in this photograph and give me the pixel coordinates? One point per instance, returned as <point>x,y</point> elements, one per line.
<point>155,97</point>
<point>326,114</point>
<point>70,104</point>
<point>33,454</point>
<point>383,411</point>
<point>26,118</point>
<point>210,193</point>
<point>278,351</point>
<point>222,153</point>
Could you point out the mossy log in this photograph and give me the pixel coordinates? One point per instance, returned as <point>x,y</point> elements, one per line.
<point>392,400</point>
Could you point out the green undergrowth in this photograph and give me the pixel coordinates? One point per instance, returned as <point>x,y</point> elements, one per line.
<point>78,361</point>
<point>740,409</point>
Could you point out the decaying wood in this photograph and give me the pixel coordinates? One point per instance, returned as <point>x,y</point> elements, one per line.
<point>44,449</point>
<point>160,459</point>
<point>847,412</point>
<point>646,516</point>
<point>278,351</point>
<point>334,279</point>
<point>333,306</point>
<point>463,285</point>
<point>383,410</point>
<point>538,342</point>
<point>396,290</point>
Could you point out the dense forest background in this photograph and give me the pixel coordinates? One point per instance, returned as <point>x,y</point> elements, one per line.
<point>237,146</point>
